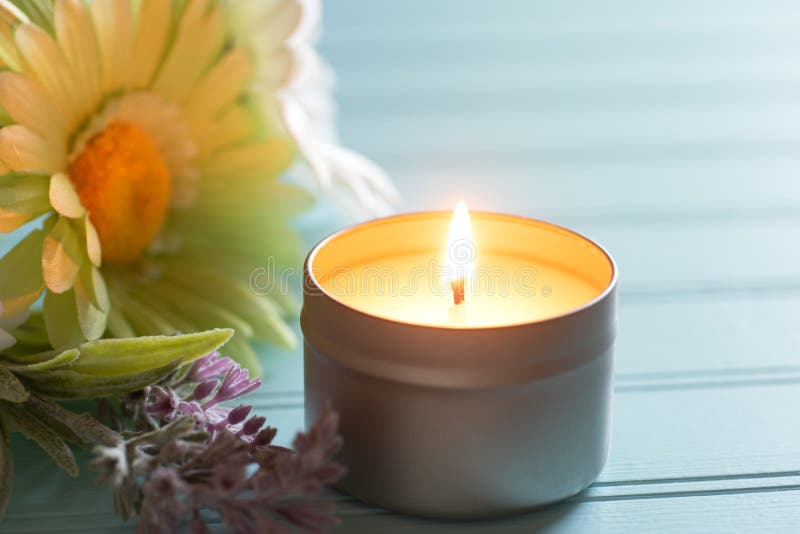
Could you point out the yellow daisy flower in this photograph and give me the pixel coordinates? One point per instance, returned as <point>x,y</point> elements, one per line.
<point>142,137</point>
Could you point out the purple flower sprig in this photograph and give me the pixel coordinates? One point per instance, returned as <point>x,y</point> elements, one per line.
<point>212,380</point>
<point>188,453</point>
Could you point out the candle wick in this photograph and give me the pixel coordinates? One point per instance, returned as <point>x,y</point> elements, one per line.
<point>458,290</point>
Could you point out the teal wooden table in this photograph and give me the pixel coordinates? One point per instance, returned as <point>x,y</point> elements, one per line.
<point>669,132</point>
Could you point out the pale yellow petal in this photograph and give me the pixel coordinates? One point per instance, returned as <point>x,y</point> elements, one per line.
<point>93,249</point>
<point>10,16</point>
<point>22,150</point>
<point>91,318</point>
<point>113,20</point>
<point>44,58</point>
<point>61,257</point>
<point>155,17</point>
<point>278,24</point>
<point>26,102</point>
<point>267,157</point>
<point>201,35</point>
<point>76,36</point>
<point>278,69</point>
<point>64,198</point>
<point>233,127</point>
<point>220,87</point>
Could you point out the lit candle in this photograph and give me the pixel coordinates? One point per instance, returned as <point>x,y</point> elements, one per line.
<point>460,254</point>
<point>469,382</point>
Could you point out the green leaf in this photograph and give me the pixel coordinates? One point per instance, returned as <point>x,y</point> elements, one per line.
<point>120,357</point>
<point>11,389</point>
<point>31,427</point>
<point>6,470</point>
<point>58,360</point>
<point>114,366</point>
<point>68,384</point>
<point>82,428</point>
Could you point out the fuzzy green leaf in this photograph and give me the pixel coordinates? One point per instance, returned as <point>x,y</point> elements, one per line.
<point>31,427</point>
<point>68,384</point>
<point>57,361</point>
<point>122,357</point>
<point>6,470</point>
<point>82,429</point>
<point>11,389</point>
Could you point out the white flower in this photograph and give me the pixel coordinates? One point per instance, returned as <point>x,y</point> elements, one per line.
<point>283,34</point>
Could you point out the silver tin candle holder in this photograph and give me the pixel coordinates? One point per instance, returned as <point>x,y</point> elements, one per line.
<point>463,422</point>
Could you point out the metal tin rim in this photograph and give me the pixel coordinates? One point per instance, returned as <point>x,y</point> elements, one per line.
<point>609,289</point>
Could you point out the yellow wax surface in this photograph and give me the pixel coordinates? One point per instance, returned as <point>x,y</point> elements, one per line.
<point>502,290</point>
<point>523,270</point>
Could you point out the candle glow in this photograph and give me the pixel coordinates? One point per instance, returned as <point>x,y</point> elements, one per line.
<point>460,253</point>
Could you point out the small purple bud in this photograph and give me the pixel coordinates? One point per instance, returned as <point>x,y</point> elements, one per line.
<point>204,389</point>
<point>253,425</point>
<point>265,436</point>
<point>238,414</point>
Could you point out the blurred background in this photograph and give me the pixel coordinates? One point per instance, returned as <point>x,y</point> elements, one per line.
<point>614,110</point>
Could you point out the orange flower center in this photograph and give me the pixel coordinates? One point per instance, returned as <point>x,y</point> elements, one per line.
<point>125,186</point>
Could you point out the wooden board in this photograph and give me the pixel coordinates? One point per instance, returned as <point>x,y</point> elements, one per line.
<point>669,132</point>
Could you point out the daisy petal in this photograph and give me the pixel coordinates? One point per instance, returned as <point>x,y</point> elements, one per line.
<point>45,60</point>
<point>61,257</point>
<point>155,17</point>
<point>22,198</point>
<point>21,280</point>
<point>91,318</point>
<point>93,249</point>
<point>279,23</point>
<point>9,323</point>
<point>221,86</point>
<point>113,21</point>
<point>10,16</point>
<point>235,126</point>
<point>268,157</point>
<point>278,70</point>
<point>201,35</point>
<point>24,151</point>
<point>64,198</point>
<point>61,319</point>
<point>27,103</point>
<point>76,36</point>
<point>117,325</point>
<point>6,340</point>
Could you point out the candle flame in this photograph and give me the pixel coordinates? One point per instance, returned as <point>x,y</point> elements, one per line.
<point>460,254</point>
